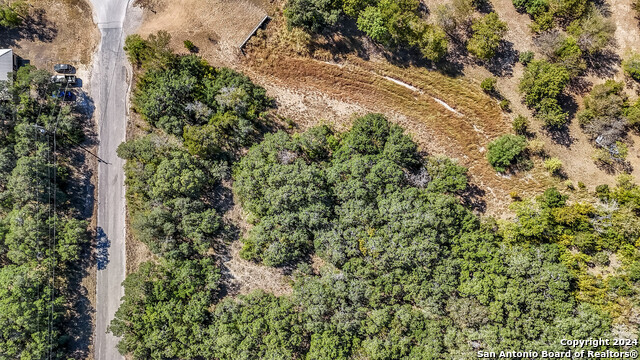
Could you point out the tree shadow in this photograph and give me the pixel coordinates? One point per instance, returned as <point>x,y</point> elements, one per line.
<point>579,85</point>
<point>484,6</point>
<point>473,198</point>
<point>35,27</point>
<point>561,136</point>
<point>504,60</point>
<point>79,321</point>
<point>102,249</point>
<point>343,39</point>
<point>603,64</point>
<point>604,7</point>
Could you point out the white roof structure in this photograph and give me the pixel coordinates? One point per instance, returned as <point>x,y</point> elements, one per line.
<point>6,63</point>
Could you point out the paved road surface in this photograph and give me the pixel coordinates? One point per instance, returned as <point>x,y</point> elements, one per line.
<point>109,90</point>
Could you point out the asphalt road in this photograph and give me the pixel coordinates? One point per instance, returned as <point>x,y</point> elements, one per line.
<point>109,90</point>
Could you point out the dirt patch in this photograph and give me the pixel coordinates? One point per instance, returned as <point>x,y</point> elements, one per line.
<point>243,276</point>
<point>214,26</point>
<point>627,31</point>
<point>55,32</point>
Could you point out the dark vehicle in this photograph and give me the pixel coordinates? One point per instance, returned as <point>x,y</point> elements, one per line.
<point>63,95</point>
<point>64,68</point>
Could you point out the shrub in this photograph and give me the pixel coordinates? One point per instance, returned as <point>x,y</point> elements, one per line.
<point>551,114</point>
<point>526,57</point>
<point>603,116</point>
<point>489,84</point>
<point>601,258</point>
<point>543,80</point>
<point>631,66</point>
<point>136,48</point>
<point>562,50</point>
<point>487,35</point>
<point>311,15</point>
<point>593,32</point>
<point>553,165</point>
<point>531,7</point>
<point>189,45</point>
<point>603,192</point>
<point>536,147</point>
<point>505,105</point>
<point>520,125</point>
<point>568,9</point>
<point>581,185</point>
<point>633,114</point>
<point>506,151</point>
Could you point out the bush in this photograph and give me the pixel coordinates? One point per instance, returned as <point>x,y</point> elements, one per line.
<point>487,35</point>
<point>561,49</point>
<point>553,165</point>
<point>526,57</point>
<point>543,80</point>
<point>593,32</point>
<point>489,84</point>
<point>536,147</point>
<point>532,7</point>
<point>603,192</point>
<point>551,114</point>
<point>189,45</point>
<point>520,125</point>
<point>506,151</point>
<point>154,51</point>
<point>505,105</point>
<point>136,48</point>
<point>631,66</point>
<point>603,115</point>
<point>311,15</point>
<point>601,258</point>
<point>633,115</point>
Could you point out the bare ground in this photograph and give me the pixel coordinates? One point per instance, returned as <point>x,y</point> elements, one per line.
<point>55,32</point>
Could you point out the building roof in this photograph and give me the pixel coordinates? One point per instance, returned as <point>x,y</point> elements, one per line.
<point>6,63</point>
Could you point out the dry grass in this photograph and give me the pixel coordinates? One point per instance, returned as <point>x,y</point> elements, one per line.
<point>57,31</point>
<point>363,86</point>
<point>214,26</point>
<point>311,89</point>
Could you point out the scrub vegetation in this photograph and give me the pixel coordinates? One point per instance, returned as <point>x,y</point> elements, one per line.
<point>386,260</point>
<point>43,236</point>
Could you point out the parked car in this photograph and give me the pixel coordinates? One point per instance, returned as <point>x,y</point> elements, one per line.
<point>64,79</point>
<point>71,79</point>
<point>58,79</point>
<point>63,95</point>
<point>63,68</point>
